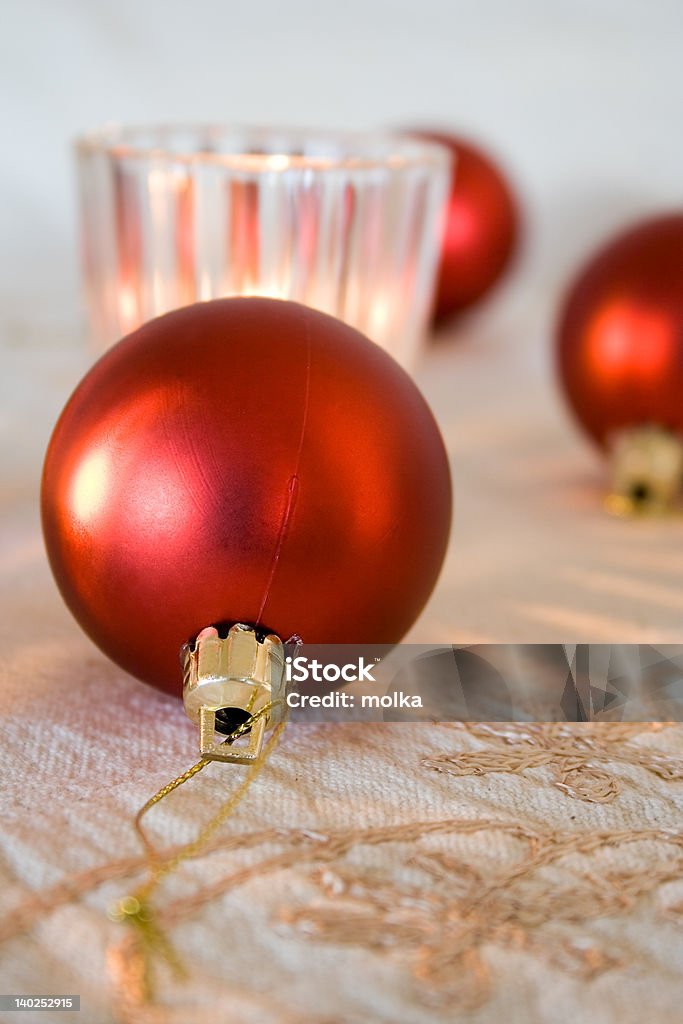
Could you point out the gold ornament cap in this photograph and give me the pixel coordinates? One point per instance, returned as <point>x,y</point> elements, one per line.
<point>234,685</point>
<point>646,472</point>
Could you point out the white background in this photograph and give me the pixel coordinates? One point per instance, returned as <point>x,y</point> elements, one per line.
<point>581,98</point>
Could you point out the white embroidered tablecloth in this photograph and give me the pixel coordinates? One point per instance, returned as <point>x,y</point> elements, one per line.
<point>389,873</point>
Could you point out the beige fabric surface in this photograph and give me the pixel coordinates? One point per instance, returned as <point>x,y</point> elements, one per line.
<point>389,873</point>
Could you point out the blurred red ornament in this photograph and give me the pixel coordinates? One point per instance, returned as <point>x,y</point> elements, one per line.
<point>480,231</point>
<point>620,333</point>
<point>244,460</point>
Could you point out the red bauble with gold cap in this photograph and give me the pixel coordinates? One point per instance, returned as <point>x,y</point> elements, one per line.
<point>620,333</point>
<point>244,460</point>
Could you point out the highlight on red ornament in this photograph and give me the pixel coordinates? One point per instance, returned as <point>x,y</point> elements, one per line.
<point>481,229</point>
<point>230,475</point>
<point>620,361</point>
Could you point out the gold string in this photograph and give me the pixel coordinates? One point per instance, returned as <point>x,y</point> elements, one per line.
<point>137,909</point>
<point>152,852</point>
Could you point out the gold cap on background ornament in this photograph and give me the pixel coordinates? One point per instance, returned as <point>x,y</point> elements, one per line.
<point>647,472</point>
<point>234,686</point>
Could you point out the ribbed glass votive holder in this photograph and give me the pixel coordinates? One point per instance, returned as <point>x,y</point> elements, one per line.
<point>346,223</point>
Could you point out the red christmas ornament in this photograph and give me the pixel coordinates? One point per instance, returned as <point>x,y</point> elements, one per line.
<point>244,460</point>
<point>480,231</point>
<point>620,355</point>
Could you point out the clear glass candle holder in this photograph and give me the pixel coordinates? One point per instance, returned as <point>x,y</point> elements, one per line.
<point>346,223</point>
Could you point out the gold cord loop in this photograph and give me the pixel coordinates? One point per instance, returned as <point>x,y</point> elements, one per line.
<point>137,909</point>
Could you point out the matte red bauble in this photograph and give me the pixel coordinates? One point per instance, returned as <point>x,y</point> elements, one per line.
<point>480,230</point>
<point>620,336</point>
<point>244,460</point>
<point>620,345</point>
